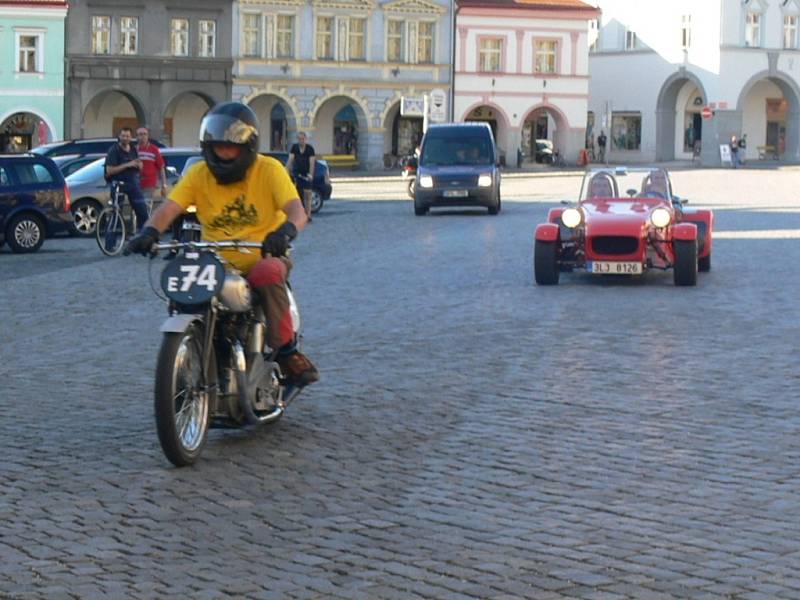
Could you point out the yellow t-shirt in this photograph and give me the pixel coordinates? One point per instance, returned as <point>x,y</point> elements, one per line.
<point>246,210</point>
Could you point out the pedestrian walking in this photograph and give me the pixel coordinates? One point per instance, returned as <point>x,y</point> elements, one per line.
<point>153,168</point>
<point>124,166</point>
<point>742,148</point>
<point>301,165</point>
<point>601,146</point>
<point>734,145</point>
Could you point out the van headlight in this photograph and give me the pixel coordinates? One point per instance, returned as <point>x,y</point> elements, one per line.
<point>660,217</point>
<point>484,180</point>
<point>426,181</point>
<point>571,217</point>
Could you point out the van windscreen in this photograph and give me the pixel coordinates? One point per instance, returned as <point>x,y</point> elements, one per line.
<point>456,150</point>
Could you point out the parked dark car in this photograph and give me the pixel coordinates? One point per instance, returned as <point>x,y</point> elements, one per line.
<point>34,201</point>
<point>69,163</point>
<point>321,189</point>
<point>91,192</point>
<point>81,147</point>
<point>458,166</point>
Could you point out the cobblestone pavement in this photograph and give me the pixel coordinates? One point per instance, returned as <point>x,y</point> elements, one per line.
<point>473,435</point>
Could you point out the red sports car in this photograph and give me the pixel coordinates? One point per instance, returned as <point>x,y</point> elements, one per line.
<point>626,222</point>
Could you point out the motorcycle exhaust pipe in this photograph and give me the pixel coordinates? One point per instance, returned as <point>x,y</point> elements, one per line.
<point>245,404</point>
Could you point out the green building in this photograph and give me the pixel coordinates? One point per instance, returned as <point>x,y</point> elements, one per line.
<point>31,73</point>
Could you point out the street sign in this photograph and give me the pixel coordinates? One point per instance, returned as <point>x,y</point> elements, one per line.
<point>707,112</point>
<point>438,106</point>
<point>412,106</point>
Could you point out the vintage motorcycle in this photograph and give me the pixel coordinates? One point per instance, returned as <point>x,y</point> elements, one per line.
<point>214,368</point>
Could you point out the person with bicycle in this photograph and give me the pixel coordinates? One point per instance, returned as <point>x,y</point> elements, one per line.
<point>123,167</point>
<point>301,166</point>
<point>241,195</point>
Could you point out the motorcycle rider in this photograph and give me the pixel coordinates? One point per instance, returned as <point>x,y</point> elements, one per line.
<point>239,194</point>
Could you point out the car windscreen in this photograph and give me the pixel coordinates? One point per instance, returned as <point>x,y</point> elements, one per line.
<point>626,183</point>
<point>461,149</point>
<point>91,172</point>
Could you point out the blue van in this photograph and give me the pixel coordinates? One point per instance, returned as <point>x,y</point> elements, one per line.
<point>458,166</point>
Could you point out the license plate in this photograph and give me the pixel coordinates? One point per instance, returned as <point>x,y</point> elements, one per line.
<point>455,193</point>
<point>604,267</point>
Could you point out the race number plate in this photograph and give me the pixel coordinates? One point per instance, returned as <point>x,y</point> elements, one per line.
<point>455,193</point>
<point>193,278</point>
<point>603,267</point>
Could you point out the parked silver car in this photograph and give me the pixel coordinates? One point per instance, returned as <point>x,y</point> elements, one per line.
<point>90,192</point>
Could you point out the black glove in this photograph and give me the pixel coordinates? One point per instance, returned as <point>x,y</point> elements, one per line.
<point>143,241</point>
<point>277,242</point>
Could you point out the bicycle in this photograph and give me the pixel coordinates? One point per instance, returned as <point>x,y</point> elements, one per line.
<point>112,229</point>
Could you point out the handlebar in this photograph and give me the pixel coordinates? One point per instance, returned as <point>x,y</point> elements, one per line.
<point>225,245</point>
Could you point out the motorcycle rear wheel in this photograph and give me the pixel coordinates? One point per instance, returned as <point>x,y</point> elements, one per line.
<point>182,401</point>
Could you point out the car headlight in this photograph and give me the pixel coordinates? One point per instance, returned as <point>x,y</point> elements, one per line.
<point>571,217</point>
<point>426,181</point>
<point>660,217</point>
<point>484,180</point>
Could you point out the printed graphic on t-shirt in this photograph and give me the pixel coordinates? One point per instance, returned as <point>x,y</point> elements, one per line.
<point>235,216</point>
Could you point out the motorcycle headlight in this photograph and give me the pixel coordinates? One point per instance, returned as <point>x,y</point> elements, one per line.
<point>426,181</point>
<point>571,217</point>
<point>484,180</point>
<point>660,217</point>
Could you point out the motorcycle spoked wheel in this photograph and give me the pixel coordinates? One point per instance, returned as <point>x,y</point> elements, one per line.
<point>182,406</point>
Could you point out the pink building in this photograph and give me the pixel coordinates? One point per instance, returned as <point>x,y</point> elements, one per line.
<point>523,66</point>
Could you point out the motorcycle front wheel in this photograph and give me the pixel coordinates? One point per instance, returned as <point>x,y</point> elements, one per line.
<point>183,395</point>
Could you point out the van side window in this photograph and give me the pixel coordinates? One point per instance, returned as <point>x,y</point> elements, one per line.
<point>42,173</point>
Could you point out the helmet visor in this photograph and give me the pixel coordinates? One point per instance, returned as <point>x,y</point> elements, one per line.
<point>225,128</point>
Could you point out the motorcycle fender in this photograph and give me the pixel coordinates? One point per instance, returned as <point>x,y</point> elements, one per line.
<point>179,323</point>
<point>547,232</point>
<point>685,231</point>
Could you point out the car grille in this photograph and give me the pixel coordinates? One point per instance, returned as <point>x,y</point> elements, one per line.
<point>614,244</point>
<point>454,181</point>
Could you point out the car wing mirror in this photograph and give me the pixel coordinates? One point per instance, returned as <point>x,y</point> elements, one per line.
<point>631,192</point>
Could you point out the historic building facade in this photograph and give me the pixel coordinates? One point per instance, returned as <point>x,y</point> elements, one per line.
<point>522,66</point>
<point>656,66</point>
<point>339,69</point>
<point>31,73</point>
<point>160,63</point>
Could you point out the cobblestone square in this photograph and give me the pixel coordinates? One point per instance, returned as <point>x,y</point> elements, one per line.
<point>472,436</point>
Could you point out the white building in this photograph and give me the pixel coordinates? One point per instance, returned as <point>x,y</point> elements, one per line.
<point>523,67</point>
<point>656,65</point>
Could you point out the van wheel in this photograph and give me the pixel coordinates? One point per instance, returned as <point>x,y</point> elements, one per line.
<point>25,233</point>
<point>493,210</point>
<point>420,210</point>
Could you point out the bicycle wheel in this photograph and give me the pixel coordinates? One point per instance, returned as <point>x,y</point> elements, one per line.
<point>110,231</point>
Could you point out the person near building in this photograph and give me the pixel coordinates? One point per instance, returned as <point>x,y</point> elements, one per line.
<point>734,146</point>
<point>742,148</point>
<point>124,166</point>
<point>601,146</point>
<point>300,166</point>
<point>153,168</point>
<point>239,194</point>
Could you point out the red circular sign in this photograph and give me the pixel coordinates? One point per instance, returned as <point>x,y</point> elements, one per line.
<point>707,112</point>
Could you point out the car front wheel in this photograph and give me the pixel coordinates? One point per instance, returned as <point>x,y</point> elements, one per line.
<point>84,217</point>
<point>704,263</point>
<point>25,233</point>
<point>316,202</point>
<point>685,269</point>
<point>545,263</point>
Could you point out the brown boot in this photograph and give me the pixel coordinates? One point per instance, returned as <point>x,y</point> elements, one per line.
<point>298,369</point>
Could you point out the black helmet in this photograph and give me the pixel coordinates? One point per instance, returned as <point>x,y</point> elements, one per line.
<point>231,123</point>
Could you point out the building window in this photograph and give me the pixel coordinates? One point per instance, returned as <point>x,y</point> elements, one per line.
<point>425,42</point>
<point>284,36</point>
<point>630,40</point>
<point>128,35</point>
<point>594,35</point>
<point>325,38</point>
<point>394,41</point>
<point>101,35</point>
<point>626,131</point>
<point>790,31</point>
<point>490,54</point>
<point>251,34</point>
<point>356,40</point>
<point>179,37</point>
<point>208,38</point>
<point>752,30</point>
<point>28,53</point>
<point>686,31</point>
<point>545,53</point>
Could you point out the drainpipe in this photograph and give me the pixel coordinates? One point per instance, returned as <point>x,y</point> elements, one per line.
<point>454,34</point>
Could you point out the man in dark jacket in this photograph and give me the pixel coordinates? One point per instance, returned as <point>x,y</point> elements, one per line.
<point>124,166</point>
<point>301,167</point>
